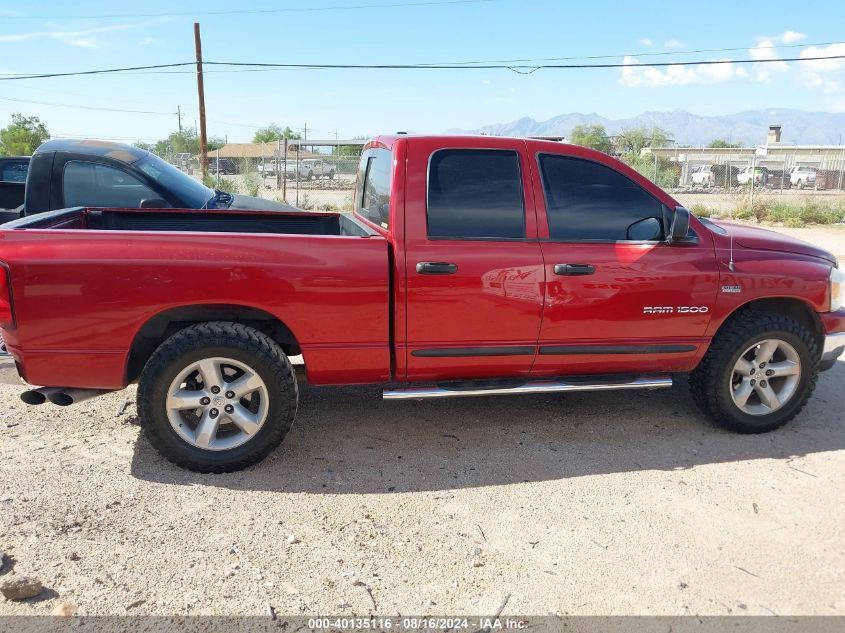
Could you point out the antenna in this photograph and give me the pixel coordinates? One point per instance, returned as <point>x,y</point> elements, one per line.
<point>731,263</point>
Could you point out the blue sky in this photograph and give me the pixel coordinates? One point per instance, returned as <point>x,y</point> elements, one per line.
<point>44,36</point>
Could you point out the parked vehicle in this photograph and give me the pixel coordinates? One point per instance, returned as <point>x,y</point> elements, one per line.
<point>13,171</point>
<point>802,177</point>
<point>222,165</point>
<point>471,266</point>
<point>703,176</point>
<point>760,176</point>
<point>76,173</point>
<point>311,168</point>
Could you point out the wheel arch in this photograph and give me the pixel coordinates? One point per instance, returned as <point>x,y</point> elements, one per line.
<point>795,307</point>
<point>161,326</point>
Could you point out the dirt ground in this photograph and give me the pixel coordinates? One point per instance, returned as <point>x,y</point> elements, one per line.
<point>612,503</point>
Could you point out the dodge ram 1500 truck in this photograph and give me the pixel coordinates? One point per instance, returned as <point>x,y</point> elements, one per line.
<point>68,173</point>
<point>470,266</point>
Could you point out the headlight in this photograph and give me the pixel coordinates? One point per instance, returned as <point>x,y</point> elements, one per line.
<point>837,289</point>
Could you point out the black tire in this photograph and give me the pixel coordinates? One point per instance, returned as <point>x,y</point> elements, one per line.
<point>217,339</point>
<point>710,382</point>
<point>331,175</point>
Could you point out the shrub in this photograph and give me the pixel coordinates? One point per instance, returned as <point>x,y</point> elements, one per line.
<point>745,210</point>
<point>306,203</point>
<point>701,210</point>
<point>792,214</point>
<point>225,184</point>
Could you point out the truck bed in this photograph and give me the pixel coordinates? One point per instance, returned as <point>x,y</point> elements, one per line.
<point>195,220</point>
<point>89,282</point>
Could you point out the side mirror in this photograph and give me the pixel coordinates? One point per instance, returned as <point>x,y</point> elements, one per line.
<point>154,203</point>
<point>679,228</point>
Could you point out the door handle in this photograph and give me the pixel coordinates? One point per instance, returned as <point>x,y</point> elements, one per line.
<point>436,268</point>
<point>574,269</point>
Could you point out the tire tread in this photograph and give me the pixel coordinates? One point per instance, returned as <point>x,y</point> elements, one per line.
<point>705,379</point>
<point>211,334</point>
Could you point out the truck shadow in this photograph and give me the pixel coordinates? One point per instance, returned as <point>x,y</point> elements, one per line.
<point>348,441</point>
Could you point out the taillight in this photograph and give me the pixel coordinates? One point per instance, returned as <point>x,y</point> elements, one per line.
<point>6,316</point>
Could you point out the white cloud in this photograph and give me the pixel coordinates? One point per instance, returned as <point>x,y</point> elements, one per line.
<point>81,38</point>
<point>826,74</point>
<point>763,51</point>
<point>645,41</point>
<point>789,37</point>
<point>673,43</point>
<point>635,75</point>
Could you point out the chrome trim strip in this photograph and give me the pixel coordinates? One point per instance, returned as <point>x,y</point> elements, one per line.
<point>531,386</point>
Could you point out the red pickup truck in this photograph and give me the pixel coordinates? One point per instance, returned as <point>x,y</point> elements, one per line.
<point>471,266</point>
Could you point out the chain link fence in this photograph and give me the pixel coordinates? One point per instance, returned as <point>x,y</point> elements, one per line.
<point>312,175</point>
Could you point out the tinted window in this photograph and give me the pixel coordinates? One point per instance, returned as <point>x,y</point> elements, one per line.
<point>190,191</point>
<point>374,175</point>
<point>93,185</point>
<point>589,201</point>
<point>13,171</point>
<point>475,194</point>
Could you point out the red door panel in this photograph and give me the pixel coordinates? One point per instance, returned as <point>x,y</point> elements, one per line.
<point>636,306</point>
<point>483,319</point>
<point>617,319</point>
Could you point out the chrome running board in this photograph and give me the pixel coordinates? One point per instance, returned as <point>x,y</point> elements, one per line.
<point>496,388</point>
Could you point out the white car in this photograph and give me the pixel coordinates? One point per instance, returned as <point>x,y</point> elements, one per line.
<point>315,168</point>
<point>703,176</point>
<point>802,177</point>
<point>760,175</point>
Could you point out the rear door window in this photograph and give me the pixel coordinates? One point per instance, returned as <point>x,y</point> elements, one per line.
<point>475,194</point>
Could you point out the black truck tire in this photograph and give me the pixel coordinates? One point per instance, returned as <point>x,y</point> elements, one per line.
<point>721,380</point>
<point>238,360</point>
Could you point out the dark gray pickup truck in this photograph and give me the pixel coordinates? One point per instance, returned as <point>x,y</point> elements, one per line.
<point>86,173</point>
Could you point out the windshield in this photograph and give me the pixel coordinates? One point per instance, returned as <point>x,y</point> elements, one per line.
<point>192,192</point>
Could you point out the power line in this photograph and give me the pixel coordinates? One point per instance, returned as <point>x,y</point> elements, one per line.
<point>84,107</point>
<point>390,5</point>
<point>518,68</point>
<point>104,71</point>
<point>643,54</point>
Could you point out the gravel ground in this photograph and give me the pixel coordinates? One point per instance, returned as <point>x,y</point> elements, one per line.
<point>625,503</point>
<point>579,504</point>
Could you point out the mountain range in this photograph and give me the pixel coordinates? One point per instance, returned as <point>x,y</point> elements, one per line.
<point>692,130</point>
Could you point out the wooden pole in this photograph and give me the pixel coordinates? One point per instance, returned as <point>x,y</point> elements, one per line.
<point>201,93</point>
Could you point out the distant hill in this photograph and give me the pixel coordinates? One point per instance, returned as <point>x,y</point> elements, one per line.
<point>748,128</point>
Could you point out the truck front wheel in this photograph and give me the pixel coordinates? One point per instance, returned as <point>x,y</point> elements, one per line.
<point>217,397</point>
<point>758,374</point>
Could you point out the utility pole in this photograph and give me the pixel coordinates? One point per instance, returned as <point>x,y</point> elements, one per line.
<point>305,132</point>
<point>179,114</point>
<point>201,93</point>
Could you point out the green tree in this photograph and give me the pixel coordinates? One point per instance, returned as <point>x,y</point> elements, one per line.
<point>349,150</point>
<point>273,132</point>
<point>215,142</point>
<point>23,136</point>
<point>720,143</point>
<point>632,140</point>
<point>594,136</point>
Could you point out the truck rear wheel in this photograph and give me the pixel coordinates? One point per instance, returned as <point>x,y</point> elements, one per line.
<point>217,397</point>
<point>758,374</point>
